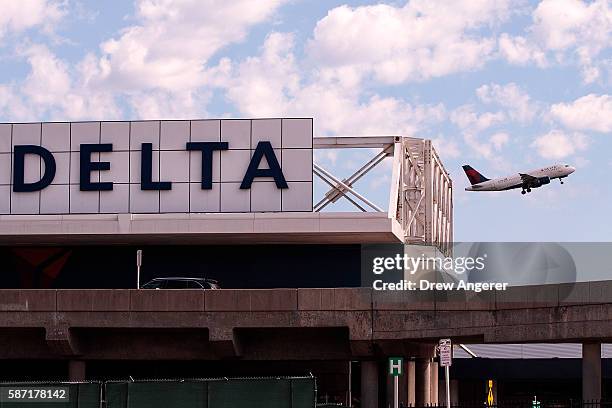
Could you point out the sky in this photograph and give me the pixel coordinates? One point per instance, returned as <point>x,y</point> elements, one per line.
<point>505,86</point>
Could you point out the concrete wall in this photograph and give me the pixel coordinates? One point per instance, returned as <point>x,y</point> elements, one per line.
<point>290,323</point>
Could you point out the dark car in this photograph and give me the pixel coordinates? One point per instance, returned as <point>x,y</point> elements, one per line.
<point>181,283</point>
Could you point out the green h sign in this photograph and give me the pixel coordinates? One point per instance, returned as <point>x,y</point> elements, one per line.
<point>396,366</point>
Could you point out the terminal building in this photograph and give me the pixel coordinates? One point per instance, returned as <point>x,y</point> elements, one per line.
<point>234,200</point>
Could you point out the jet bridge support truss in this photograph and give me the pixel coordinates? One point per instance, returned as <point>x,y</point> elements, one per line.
<point>421,191</point>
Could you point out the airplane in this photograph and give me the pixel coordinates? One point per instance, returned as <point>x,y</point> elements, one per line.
<point>526,181</point>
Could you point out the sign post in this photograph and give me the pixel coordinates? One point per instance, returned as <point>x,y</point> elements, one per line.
<point>396,369</point>
<point>138,265</point>
<point>445,351</point>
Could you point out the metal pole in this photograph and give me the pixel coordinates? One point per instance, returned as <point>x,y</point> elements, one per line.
<point>138,264</point>
<point>447,375</point>
<point>395,392</point>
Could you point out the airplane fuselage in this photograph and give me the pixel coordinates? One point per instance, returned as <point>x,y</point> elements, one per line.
<point>541,177</point>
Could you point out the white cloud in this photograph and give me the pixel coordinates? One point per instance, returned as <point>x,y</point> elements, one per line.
<point>262,85</point>
<point>160,104</point>
<point>48,80</point>
<point>420,40</point>
<point>482,149</point>
<point>520,50</point>
<point>591,112</point>
<point>18,16</point>
<point>558,145</point>
<point>467,119</point>
<point>446,147</point>
<point>161,63</point>
<point>273,84</point>
<point>562,24</point>
<point>173,41</point>
<point>499,140</point>
<point>158,66</point>
<point>520,106</point>
<point>50,91</point>
<point>565,31</point>
<point>12,105</point>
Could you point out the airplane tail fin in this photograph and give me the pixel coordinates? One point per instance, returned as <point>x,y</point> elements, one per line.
<point>473,175</point>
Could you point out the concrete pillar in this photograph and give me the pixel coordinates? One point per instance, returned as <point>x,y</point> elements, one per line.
<point>76,370</point>
<point>389,390</point>
<point>454,391</point>
<point>349,392</point>
<point>434,383</point>
<point>410,383</point>
<point>423,382</point>
<point>369,384</point>
<point>591,371</point>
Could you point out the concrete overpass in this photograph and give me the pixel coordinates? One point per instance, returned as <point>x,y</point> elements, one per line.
<point>302,324</point>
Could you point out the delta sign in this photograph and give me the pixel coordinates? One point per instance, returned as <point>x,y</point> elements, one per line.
<point>182,166</point>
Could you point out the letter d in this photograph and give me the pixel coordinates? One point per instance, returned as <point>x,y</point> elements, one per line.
<point>19,184</point>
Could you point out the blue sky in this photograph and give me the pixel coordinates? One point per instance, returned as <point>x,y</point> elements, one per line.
<point>505,86</point>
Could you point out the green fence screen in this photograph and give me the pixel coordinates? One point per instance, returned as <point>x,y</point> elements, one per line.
<point>214,393</point>
<point>285,392</point>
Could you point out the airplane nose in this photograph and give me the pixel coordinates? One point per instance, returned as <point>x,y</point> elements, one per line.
<point>572,169</point>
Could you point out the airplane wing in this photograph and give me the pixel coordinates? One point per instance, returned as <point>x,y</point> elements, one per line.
<point>527,179</point>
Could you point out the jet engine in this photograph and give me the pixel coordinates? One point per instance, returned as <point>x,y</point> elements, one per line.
<point>541,181</point>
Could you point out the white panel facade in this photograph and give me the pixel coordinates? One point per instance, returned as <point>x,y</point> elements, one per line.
<point>32,168</point>
<point>83,202</point>
<point>5,199</point>
<point>265,197</point>
<point>62,168</point>
<point>174,134</point>
<point>26,134</point>
<point>174,166</point>
<point>116,133</point>
<point>205,130</point>
<point>297,133</point>
<point>291,140</point>
<point>297,164</point>
<point>84,133</point>
<point>56,137</point>
<point>6,167</point>
<point>116,200</point>
<point>233,199</point>
<point>143,201</point>
<point>119,171</point>
<point>204,201</point>
<point>175,200</point>
<point>266,130</point>
<point>55,199</point>
<point>234,164</point>
<point>25,203</point>
<point>5,137</point>
<point>293,197</point>
<point>237,132</point>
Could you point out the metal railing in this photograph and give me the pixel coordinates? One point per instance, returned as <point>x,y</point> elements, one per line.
<point>525,403</point>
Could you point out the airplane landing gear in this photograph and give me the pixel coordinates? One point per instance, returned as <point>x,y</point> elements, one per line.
<point>561,180</point>
<point>523,192</point>
<point>529,190</point>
